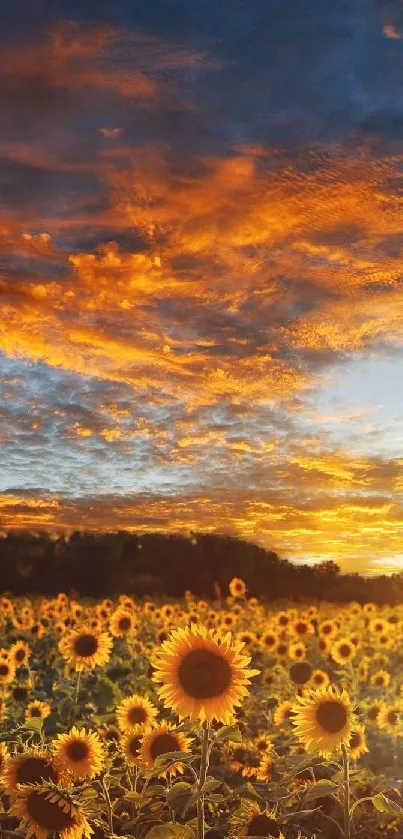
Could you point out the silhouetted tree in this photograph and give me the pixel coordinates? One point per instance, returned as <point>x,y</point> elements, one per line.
<point>104,564</point>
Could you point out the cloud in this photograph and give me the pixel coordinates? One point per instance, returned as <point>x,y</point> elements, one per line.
<point>193,233</point>
<point>391,32</point>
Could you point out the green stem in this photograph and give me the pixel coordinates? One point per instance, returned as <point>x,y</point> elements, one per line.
<point>346,778</point>
<point>108,805</point>
<point>76,695</point>
<point>202,780</point>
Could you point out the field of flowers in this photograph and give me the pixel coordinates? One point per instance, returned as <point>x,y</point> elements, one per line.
<point>193,719</point>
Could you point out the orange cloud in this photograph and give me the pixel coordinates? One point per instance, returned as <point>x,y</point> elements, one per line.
<point>252,273</point>
<point>390,31</point>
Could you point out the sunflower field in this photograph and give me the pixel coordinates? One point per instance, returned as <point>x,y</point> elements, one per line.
<point>200,720</point>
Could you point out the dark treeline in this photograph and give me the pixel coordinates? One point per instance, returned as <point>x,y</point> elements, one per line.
<point>107,564</point>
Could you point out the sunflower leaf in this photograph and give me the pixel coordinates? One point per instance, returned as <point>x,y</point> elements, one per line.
<point>386,805</point>
<point>229,733</point>
<point>33,724</point>
<point>178,797</point>
<point>168,759</point>
<point>320,789</point>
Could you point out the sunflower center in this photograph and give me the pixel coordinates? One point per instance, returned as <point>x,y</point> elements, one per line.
<point>77,750</point>
<point>331,716</point>
<point>204,674</point>
<point>300,672</point>
<point>33,770</point>
<point>86,645</point>
<point>4,670</point>
<point>269,640</point>
<point>137,715</point>
<point>134,745</point>
<point>20,655</point>
<point>393,717</point>
<point>263,825</point>
<point>35,712</point>
<point>162,744</point>
<point>48,815</point>
<point>355,741</point>
<point>345,650</point>
<point>125,623</point>
<point>301,628</point>
<point>20,694</point>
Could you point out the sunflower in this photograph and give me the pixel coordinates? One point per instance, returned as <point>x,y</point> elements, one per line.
<point>357,744</point>
<point>283,713</point>
<point>300,628</point>
<point>380,679</point>
<point>323,720</point>
<point>257,822</point>
<point>7,606</point>
<point>327,629</point>
<point>265,769</point>
<point>43,812</point>
<point>373,711</point>
<point>246,638</point>
<point>122,623</point>
<point>378,626</point>
<point>131,744</point>
<point>238,755</point>
<point>160,741</point>
<point>343,651</point>
<point>297,651</point>
<point>31,767</point>
<point>19,654</point>
<point>202,677</point>
<point>263,744</point>
<point>320,679</point>
<point>228,620</point>
<point>85,647</point>
<point>237,587</point>
<point>283,619</point>
<point>390,718</point>
<point>37,709</point>
<point>135,714</point>
<point>80,752</point>
<point>7,672</point>
<point>269,639</point>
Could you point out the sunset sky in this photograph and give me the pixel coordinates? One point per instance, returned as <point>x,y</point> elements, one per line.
<point>201,236</point>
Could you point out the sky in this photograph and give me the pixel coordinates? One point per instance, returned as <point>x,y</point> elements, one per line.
<point>201,302</point>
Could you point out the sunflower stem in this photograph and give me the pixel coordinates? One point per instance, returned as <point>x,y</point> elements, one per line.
<point>202,779</point>
<point>346,777</point>
<point>76,695</point>
<point>108,804</point>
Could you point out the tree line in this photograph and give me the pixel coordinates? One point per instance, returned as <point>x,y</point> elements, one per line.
<point>106,564</point>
